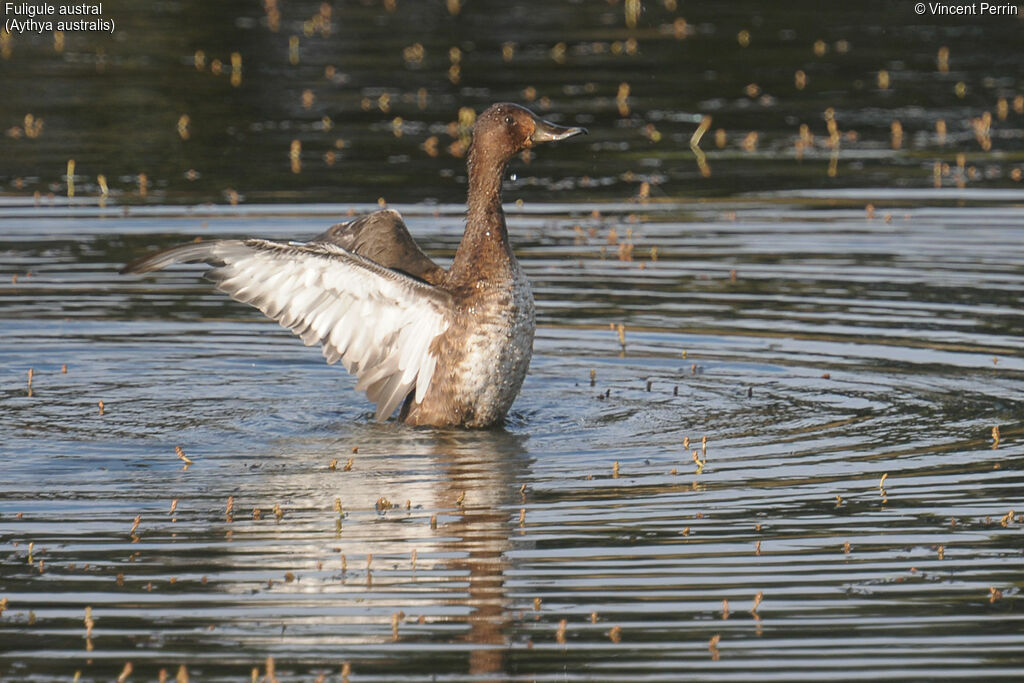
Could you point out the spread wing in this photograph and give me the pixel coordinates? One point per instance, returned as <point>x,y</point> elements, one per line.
<point>377,321</point>
<point>382,237</point>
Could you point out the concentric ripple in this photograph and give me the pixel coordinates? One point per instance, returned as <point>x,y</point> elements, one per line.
<point>850,515</point>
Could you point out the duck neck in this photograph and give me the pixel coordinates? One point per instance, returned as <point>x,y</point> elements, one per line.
<point>484,245</point>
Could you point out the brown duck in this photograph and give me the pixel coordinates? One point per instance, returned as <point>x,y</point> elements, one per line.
<point>450,347</point>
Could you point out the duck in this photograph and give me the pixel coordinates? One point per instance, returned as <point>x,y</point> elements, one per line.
<point>443,347</point>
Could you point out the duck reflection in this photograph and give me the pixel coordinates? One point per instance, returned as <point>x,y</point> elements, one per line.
<point>468,480</point>
<point>487,468</point>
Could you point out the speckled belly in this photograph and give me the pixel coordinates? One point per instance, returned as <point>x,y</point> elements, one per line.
<point>497,358</point>
<point>483,361</point>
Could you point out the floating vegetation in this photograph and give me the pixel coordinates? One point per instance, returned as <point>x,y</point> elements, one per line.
<point>702,164</point>
<point>181,456</point>
<point>236,69</point>
<point>295,156</point>
<point>70,178</point>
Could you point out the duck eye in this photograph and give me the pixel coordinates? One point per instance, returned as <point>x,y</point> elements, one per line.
<point>509,120</point>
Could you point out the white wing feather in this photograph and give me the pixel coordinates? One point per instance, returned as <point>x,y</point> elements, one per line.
<point>378,322</point>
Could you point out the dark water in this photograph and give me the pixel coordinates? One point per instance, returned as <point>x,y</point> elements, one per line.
<point>855,516</point>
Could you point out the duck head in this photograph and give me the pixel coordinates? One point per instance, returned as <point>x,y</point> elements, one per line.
<point>506,129</point>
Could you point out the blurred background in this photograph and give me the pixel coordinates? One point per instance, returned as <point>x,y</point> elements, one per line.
<point>285,100</point>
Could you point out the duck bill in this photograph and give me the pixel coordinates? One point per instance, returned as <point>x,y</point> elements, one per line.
<point>545,131</point>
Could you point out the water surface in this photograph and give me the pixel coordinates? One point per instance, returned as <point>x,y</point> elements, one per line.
<point>900,352</point>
